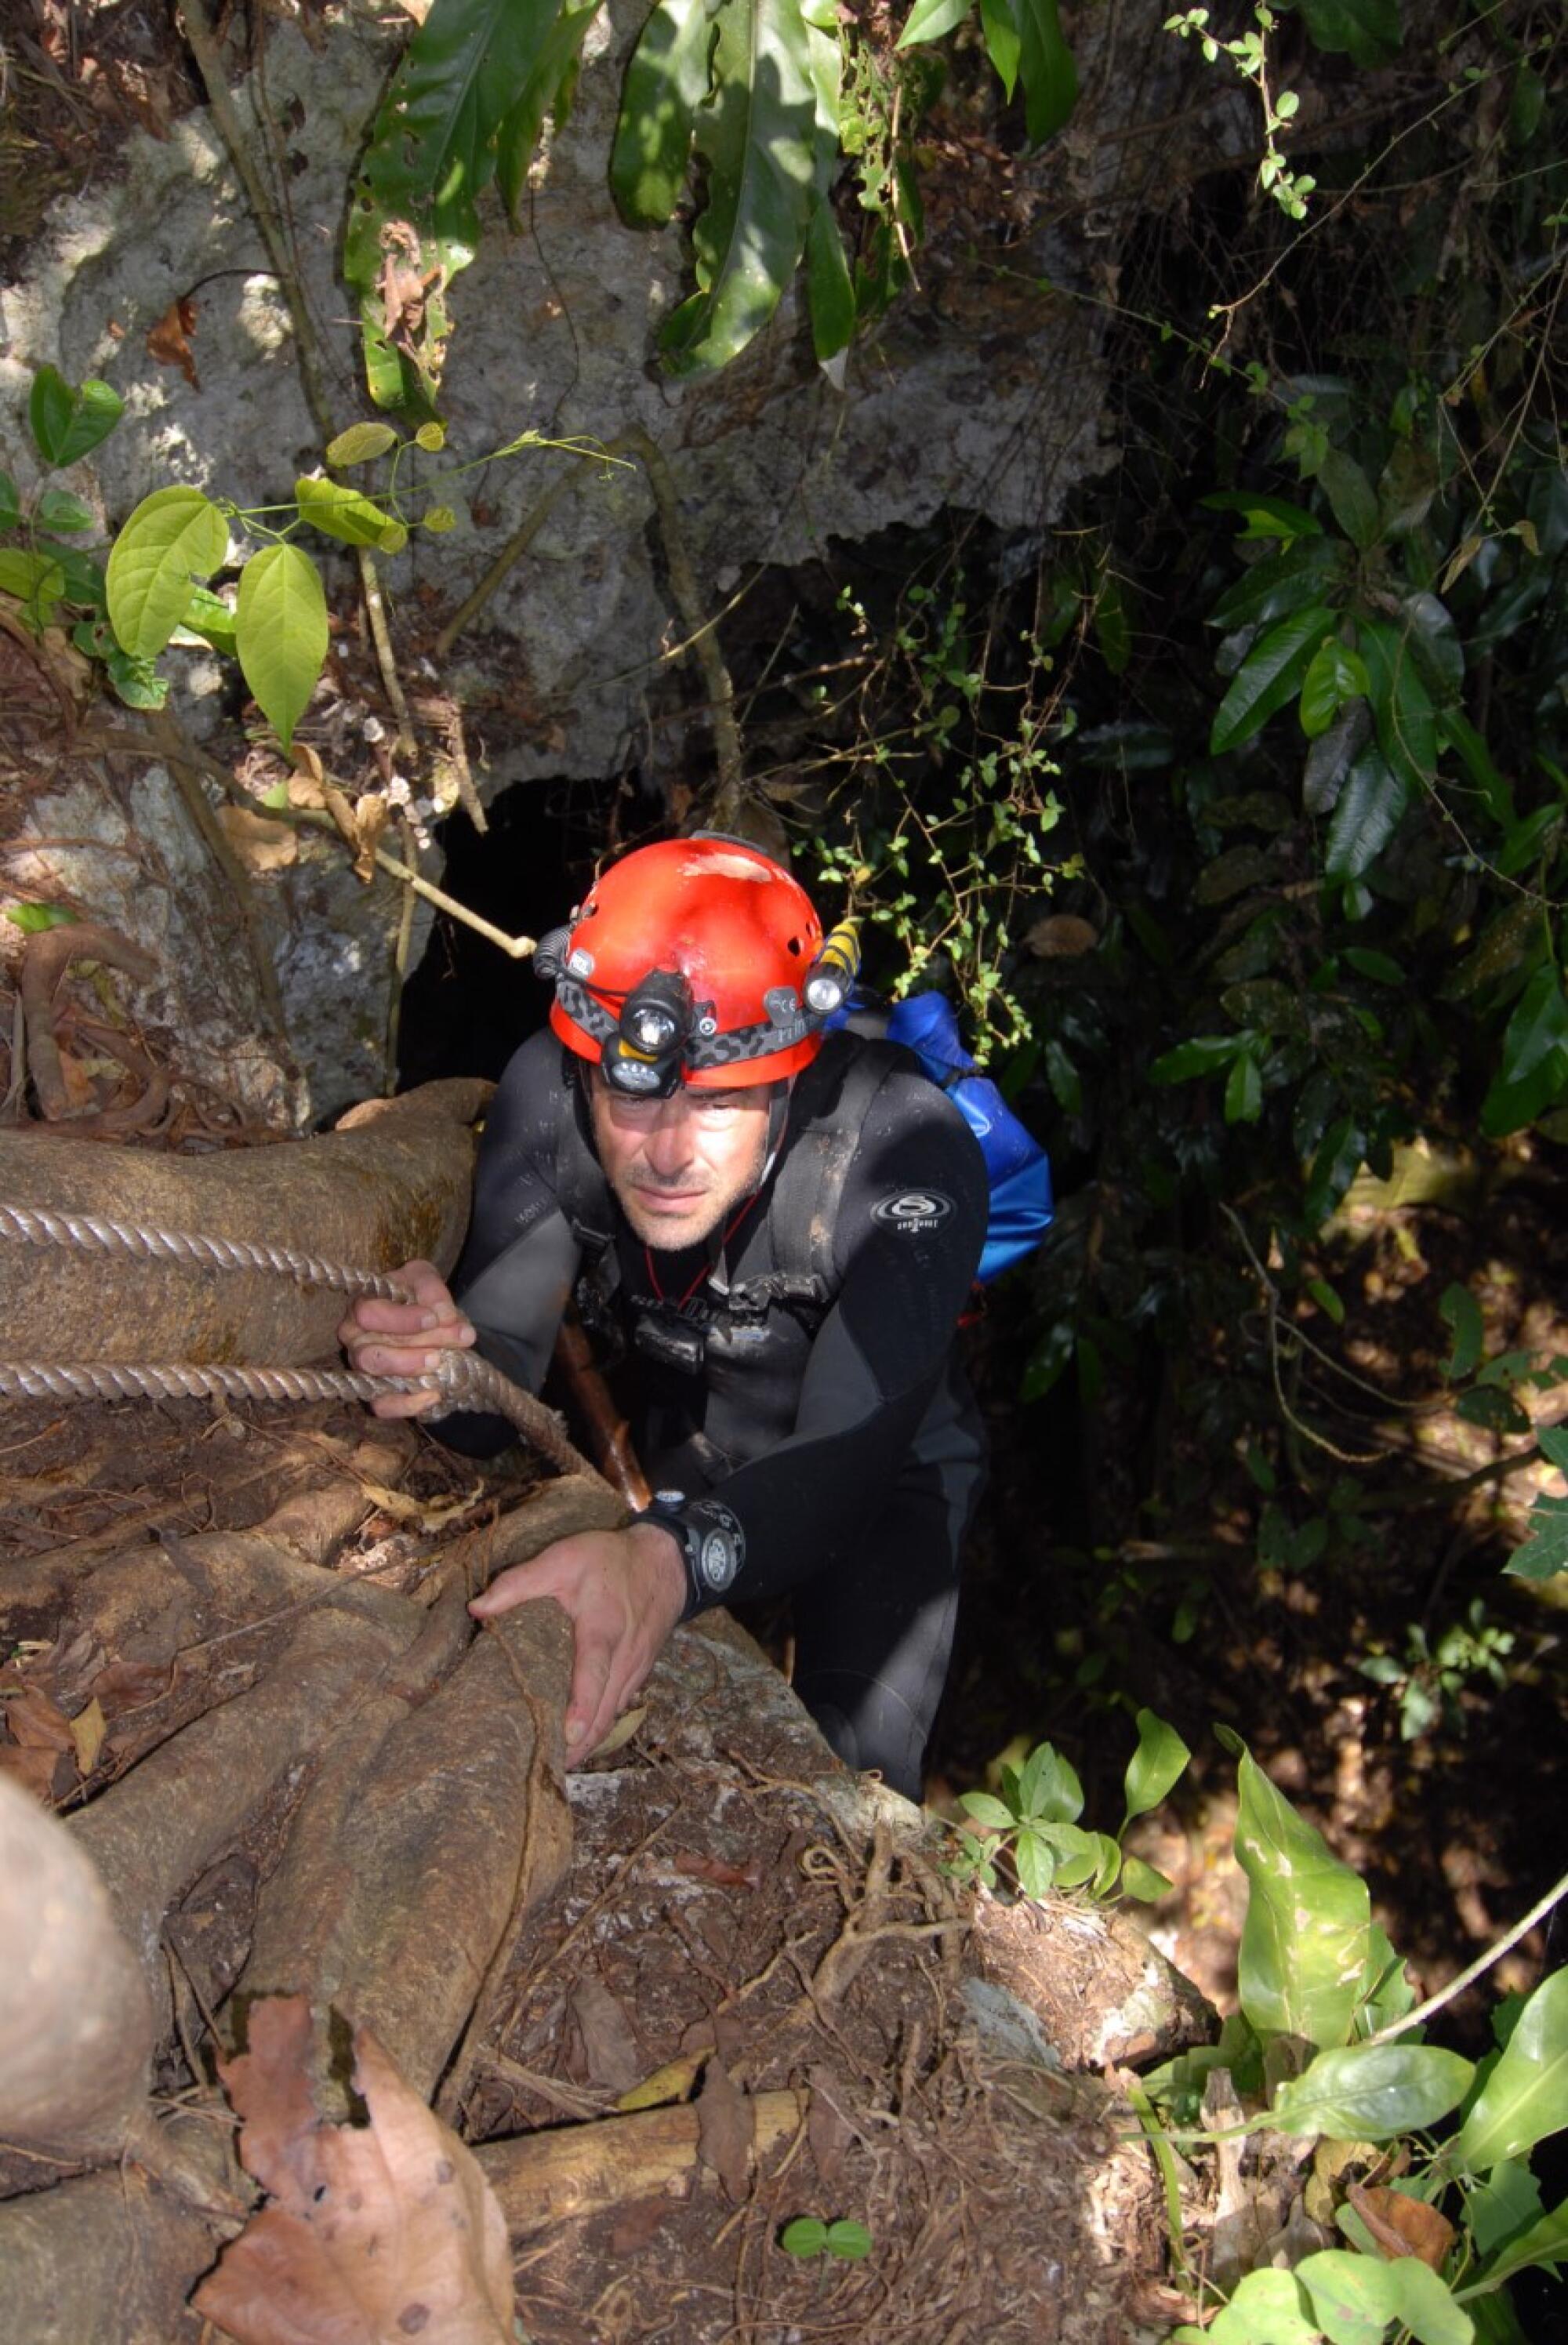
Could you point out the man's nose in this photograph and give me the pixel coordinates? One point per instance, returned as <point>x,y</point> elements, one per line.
<point>669,1145</point>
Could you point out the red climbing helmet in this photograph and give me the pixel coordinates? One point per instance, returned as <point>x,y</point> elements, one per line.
<point>688,963</point>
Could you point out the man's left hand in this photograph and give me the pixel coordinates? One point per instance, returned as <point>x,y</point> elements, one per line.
<point>623,1592</point>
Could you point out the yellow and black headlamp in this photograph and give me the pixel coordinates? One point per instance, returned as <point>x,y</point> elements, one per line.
<point>642,1058</point>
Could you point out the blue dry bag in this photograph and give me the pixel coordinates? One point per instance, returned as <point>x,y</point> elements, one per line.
<point>1017,1166</point>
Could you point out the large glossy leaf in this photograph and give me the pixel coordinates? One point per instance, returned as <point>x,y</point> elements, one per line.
<point>174,537</point>
<point>1046,66</point>
<point>1367,31</point>
<point>1004,44</point>
<point>1305,1941</point>
<point>1266,2307</point>
<point>1269,676</point>
<point>1371,2092</point>
<point>1401,704</point>
<point>1534,1074</point>
<point>666,81</point>
<point>1302,572</point>
<point>830,291</point>
<point>1433,642</point>
<point>340,511</point>
<point>1351,497</point>
<point>1371,799</point>
<point>929,19</point>
<point>281,634</point>
<point>434,149</point>
<point>760,136</point>
<point>1330,756</point>
<point>1335,675</point>
<point>550,70</point>
<point>1526,2096</point>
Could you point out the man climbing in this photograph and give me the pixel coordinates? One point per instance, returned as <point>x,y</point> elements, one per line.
<point>781,1224</point>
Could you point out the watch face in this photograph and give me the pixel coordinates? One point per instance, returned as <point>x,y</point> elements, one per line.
<point>717,1560</point>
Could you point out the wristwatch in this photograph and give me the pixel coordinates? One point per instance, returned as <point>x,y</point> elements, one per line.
<point>712,1544</point>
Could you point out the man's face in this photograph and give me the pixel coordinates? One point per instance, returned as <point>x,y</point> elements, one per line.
<point>680,1166</point>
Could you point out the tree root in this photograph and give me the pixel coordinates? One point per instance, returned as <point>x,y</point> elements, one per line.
<point>545,2179</point>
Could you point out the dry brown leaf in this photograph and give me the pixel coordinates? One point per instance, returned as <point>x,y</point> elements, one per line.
<point>378,2235</point>
<point>260,845</point>
<point>672,2082</point>
<point>371,814</point>
<point>426,1516</point>
<point>698,1867</point>
<point>620,1733</point>
<point>725,2137</point>
<point>88,1728</point>
<point>44,1773</point>
<point>610,2047</point>
<point>636,2226</point>
<point>827,2129</point>
<point>36,1722</point>
<point>1061,936</point>
<point>130,1685</point>
<point>169,340</point>
<point>1405,2226</point>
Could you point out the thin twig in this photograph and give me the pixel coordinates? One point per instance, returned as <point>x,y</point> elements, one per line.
<point>1477,1969</point>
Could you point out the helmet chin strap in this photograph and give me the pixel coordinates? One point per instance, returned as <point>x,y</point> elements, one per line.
<point>778,1116</point>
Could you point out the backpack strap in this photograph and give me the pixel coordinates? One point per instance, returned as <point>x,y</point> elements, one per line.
<point>832,1101</point>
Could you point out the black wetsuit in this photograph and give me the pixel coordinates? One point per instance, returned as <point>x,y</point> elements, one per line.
<point>820,1401</point>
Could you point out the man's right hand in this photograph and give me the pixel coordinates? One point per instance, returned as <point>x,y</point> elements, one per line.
<point>405,1339</point>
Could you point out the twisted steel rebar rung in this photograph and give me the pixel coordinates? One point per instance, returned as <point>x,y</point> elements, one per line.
<point>465,1381</point>
<point>39,1226</point>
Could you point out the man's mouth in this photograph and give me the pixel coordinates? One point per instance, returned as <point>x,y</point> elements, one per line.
<point>669,1200</point>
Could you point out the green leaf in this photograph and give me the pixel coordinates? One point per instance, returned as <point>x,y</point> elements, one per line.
<point>1266,516</point>
<point>1461,1312</point>
<point>1230,874</point>
<point>1371,2092</point>
<point>1457,733</point>
<point>1004,43</point>
<point>1266,2307</point>
<point>84,577</point>
<point>33,919</point>
<point>830,290</point>
<point>1332,755</point>
<point>340,511</point>
<point>760,136</point>
<point>1049,1789</point>
<point>69,423</point>
<point>1401,704</point>
<point>137,680</point>
<point>1351,497</point>
<point>1143,1882</point>
<point>551,71</point>
<point>1356,2297</point>
<point>1367,31</point>
<point>1036,1862</point>
<point>1157,1762</point>
<point>850,2242</point>
<point>174,537</point>
<point>1067,1084</point>
<point>1339,1159</point>
<point>1545,2242</point>
<point>1309,1920</point>
<point>1112,632</point>
<point>281,634</point>
<point>1050,76</point>
<point>1268,678</point>
<point>35,579</point>
<point>10,503</point>
<point>209,620</point>
<point>59,510</point>
<point>1244,1089</point>
<point>1200,1056</point>
<point>986,1809</point>
<point>929,19</point>
<point>1503,2208</point>
<point>1334,675</point>
<point>1379,966</point>
<point>1526,2097</point>
<point>1433,641</point>
<point>1545,1552</point>
<point>806,2236</point>
<point>1534,1070</point>
<point>1410,482</point>
<point>1372,798</point>
<point>1302,573</point>
<point>361,443</point>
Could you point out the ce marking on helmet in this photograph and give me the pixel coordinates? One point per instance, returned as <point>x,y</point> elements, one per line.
<point>914,1211</point>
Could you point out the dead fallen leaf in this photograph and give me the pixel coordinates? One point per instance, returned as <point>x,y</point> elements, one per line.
<point>1061,936</point>
<point>636,2227</point>
<point>698,1867</point>
<point>827,2129</point>
<point>1405,2226</point>
<point>130,1685</point>
<point>377,2234</point>
<point>610,2047</point>
<point>45,1773</point>
<point>260,845</point>
<point>370,815</point>
<point>36,1722</point>
<point>169,340</point>
<point>672,2082</point>
<point>725,2137</point>
<point>431,1514</point>
<point>620,1733</point>
<point>88,1728</point>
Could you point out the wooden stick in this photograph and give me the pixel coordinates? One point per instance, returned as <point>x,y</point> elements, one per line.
<point>549,2177</point>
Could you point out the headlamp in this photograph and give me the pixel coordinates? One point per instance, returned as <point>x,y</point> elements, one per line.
<point>656,1016</point>
<point>833,974</point>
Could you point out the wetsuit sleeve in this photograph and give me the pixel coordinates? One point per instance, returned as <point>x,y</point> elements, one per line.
<point>911,1226</point>
<point>521,1258</point>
